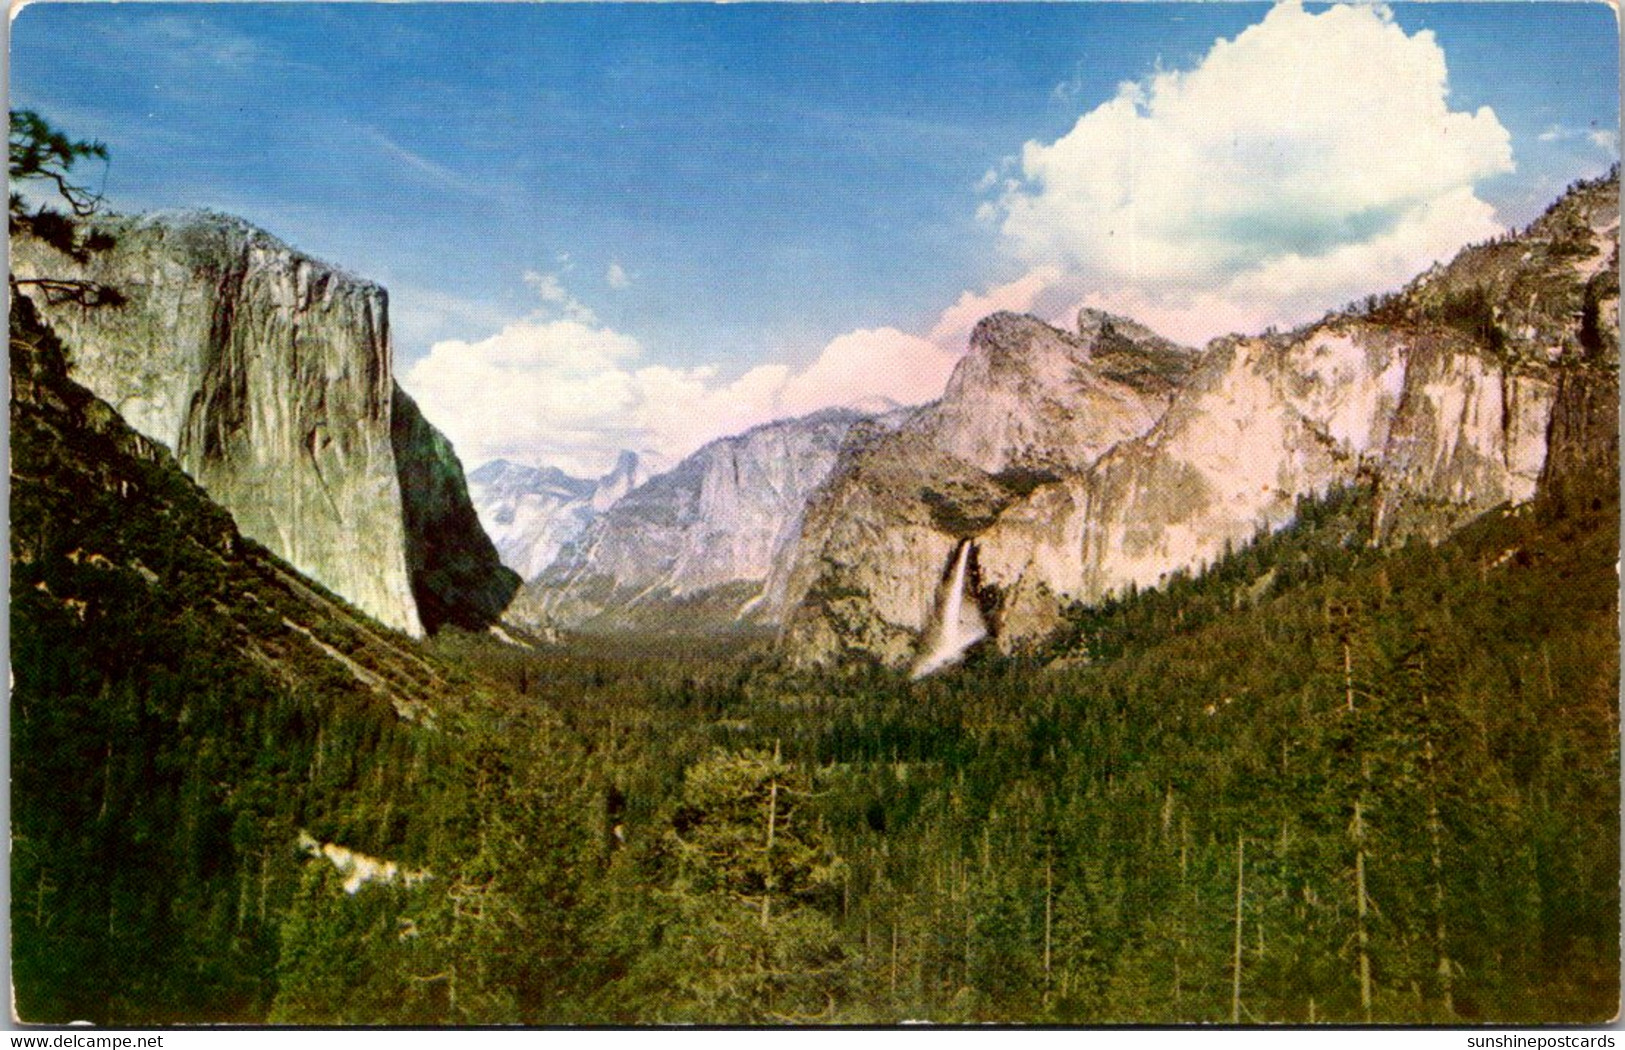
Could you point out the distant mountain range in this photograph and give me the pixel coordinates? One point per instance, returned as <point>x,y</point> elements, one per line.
<point>692,549</point>
<point>530,513</point>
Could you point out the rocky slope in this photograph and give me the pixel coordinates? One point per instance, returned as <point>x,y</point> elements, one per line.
<point>1442,397</point>
<point>530,513</point>
<point>269,375</point>
<point>692,547</point>
<point>103,514</point>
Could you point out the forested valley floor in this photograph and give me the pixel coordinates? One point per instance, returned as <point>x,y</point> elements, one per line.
<point>1317,783</point>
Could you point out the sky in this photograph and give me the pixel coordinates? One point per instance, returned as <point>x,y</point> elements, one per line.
<point>645,226</point>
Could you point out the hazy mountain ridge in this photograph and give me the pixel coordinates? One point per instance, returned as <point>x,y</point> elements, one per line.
<point>712,527</point>
<point>270,376</point>
<point>531,513</point>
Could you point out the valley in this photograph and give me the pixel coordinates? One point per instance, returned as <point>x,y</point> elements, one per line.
<point>1269,682</point>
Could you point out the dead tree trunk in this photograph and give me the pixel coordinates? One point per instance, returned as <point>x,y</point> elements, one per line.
<point>1363,933</point>
<point>1235,962</point>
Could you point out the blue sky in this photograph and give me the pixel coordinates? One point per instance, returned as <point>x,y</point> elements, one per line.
<point>650,223</point>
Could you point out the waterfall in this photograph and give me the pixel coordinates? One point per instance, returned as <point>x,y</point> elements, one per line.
<point>958,624</point>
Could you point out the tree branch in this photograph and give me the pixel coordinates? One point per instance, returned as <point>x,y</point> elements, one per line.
<point>60,290</point>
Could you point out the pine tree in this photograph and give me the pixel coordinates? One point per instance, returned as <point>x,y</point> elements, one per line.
<point>43,155</point>
<point>747,936</point>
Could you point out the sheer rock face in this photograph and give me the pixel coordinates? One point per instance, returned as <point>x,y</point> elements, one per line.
<point>531,513</point>
<point>1444,433</point>
<point>1028,397</point>
<point>105,516</point>
<point>1078,479</point>
<point>268,374</point>
<point>694,546</point>
<point>1028,405</point>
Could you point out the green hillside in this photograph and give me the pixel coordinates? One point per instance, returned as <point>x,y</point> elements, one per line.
<point>185,705</point>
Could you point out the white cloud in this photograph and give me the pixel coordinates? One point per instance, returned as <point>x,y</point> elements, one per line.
<point>557,301</point>
<point>1292,288</point>
<point>956,322</point>
<point>535,389</point>
<point>559,388</point>
<point>1605,139</point>
<point>421,315</point>
<point>867,366</point>
<point>1310,160</point>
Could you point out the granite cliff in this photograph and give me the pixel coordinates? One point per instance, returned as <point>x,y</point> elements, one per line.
<point>269,375</point>
<point>1028,405</point>
<point>530,513</point>
<point>1122,460</point>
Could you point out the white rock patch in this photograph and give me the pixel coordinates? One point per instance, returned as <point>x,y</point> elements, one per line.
<point>359,869</point>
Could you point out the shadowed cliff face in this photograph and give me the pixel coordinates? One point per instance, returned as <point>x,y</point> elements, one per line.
<point>457,577</point>
<point>269,375</point>
<point>1582,465</point>
<point>1084,465</point>
<point>103,516</point>
<point>184,703</point>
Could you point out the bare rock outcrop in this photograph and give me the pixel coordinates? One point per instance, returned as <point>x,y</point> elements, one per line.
<point>269,375</point>
<point>1027,406</point>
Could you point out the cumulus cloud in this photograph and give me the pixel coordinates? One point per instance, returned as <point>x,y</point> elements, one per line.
<point>537,390</point>
<point>1310,160</point>
<point>870,367</point>
<point>956,322</point>
<point>559,388</point>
